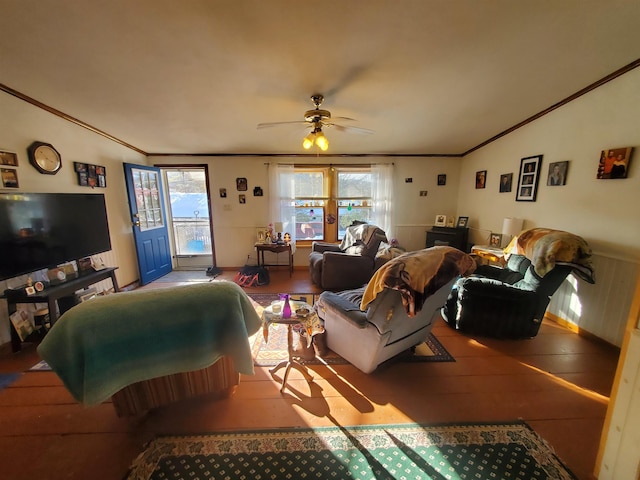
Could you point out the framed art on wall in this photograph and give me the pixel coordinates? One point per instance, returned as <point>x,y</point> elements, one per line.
<point>614,163</point>
<point>9,178</point>
<point>481,178</point>
<point>557,173</point>
<point>528,178</point>
<point>505,182</point>
<point>8,158</point>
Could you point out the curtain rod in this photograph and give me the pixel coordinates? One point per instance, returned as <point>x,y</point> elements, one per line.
<point>341,165</point>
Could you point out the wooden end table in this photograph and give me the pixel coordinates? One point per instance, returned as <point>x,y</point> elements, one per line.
<point>274,248</point>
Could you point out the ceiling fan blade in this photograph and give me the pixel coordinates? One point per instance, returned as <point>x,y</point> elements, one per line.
<point>342,128</point>
<point>344,118</point>
<point>274,124</point>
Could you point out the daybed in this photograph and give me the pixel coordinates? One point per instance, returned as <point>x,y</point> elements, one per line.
<point>108,343</point>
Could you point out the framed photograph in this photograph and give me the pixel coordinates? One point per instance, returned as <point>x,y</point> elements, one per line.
<point>257,192</point>
<point>495,240</point>
<point>442,179</point>
<point>242,198</point>
<point>462,222</point>
<point>241,184</point>
<point>557,173</point>
<point>223,193</point>
<point>260,235</point>
<point>441,221</point>
<point>481,179</point>
<point>505,182</point>
<point>528,178</point>
<point>9,178</point>
<point>9,159</point>
<point>614,163</point>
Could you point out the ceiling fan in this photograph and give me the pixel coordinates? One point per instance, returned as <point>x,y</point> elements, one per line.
<point>316,119</point>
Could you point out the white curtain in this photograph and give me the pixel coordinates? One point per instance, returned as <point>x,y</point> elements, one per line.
<point>382,215</point>
<point>282,199</point>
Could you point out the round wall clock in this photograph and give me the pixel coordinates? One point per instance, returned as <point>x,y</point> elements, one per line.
<point>44,158</point>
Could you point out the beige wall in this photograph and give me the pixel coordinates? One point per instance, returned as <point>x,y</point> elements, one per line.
<point>20,125</point>
<point>604,212</point>
<point>235,224</point>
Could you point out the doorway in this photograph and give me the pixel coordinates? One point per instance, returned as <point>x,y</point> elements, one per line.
<point>189,217</point>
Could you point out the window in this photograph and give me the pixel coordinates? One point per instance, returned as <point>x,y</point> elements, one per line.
<point>329,199</point>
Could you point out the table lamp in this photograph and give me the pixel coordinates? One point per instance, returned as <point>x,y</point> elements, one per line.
<point>510,228</point>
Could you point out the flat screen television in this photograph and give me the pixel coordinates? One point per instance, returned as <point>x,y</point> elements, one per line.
<point>43,230</point>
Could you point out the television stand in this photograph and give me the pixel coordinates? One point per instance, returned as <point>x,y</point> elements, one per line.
<point>64,290</point>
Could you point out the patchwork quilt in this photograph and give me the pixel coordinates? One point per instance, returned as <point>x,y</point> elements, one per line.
<point>546,248</point>
<point>416,275</point>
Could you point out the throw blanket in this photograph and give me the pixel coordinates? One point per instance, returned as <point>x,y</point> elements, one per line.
<point>545,248</point>
<point>102,345</point>
<point>418,274</point>
<point>358,237</point>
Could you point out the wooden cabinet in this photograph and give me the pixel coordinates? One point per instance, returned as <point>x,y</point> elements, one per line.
<point>451,236</point>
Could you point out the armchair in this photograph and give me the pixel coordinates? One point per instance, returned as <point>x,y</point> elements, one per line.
<point>510,302</point>
<point>350,264</point>
<point>394,311</point>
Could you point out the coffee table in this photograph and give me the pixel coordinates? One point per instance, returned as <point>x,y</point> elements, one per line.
<point>310,322</point>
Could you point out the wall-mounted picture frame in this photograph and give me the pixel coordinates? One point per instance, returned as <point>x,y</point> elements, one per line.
<point>90,175</point>
<point>440,221</point>
<point>495,240</point>
<point>614,163</point>
<point>557,173</point>
<point>528,178</point>
<point>506,179</point>
<point>442,179</point>
<point>9,178</point>
<point>223,193</point>
<point>481,179</point>
<point>257,191</point>
<point>463,222</point>
<point>242,198</point>
<point>9,159</point>
<point>241,184</point>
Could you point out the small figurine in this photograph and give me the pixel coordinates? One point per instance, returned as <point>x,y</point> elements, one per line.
<point>287,238</point>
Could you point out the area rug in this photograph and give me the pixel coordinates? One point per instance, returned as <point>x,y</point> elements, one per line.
<point>473,451</point>
<point>41,366</point>
<point>268,354</point>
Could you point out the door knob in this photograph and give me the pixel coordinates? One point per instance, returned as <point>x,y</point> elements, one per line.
<point>136,220</point>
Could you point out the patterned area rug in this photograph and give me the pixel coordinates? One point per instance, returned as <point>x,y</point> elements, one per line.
<point>275,350</point>
<point>7,379</point>
<point>476,451</point>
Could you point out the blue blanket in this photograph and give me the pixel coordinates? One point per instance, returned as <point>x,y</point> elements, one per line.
<point>104,344</point>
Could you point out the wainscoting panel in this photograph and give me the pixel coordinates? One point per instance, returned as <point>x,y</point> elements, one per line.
<point>601,309</point>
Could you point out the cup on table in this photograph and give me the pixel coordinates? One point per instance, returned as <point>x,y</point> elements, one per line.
<point>276,307</point>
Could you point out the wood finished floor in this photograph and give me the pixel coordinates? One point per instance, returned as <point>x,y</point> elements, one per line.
<point>558,382</point>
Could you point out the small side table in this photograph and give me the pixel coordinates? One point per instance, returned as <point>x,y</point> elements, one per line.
<point>274,248</point>
<point>268,317</point>
<point>490,255</point>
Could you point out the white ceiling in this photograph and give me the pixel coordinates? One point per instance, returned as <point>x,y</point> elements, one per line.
<point>197,76</point>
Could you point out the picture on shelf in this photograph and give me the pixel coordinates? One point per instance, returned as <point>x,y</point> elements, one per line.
<point>441,221</point>
<point>462,222</point>
<point>495,240</point>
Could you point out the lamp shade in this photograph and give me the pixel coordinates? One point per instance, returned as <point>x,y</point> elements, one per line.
<point>512,226</point>
<point>278,227</point>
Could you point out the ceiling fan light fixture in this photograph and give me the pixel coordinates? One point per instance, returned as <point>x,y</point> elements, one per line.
<point>322,141</point>
<point>307,143</point>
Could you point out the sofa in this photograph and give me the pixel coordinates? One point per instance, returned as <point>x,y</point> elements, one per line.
<point>393,312</point>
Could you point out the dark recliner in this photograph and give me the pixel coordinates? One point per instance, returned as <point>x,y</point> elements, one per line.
<point>350,264</point>
<point>510,302</point>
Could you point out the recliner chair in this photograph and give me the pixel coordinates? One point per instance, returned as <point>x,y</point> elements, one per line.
<point>350,264</point>
<point>394,311</point>
<point>510,302</point>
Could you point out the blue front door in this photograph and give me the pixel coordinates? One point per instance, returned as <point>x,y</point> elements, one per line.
<point>148,220</point>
